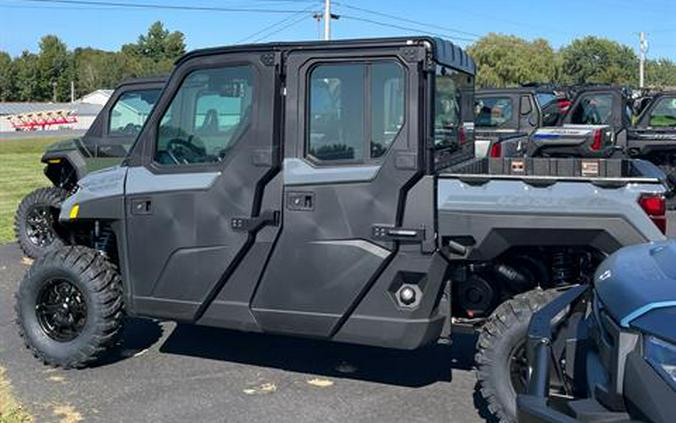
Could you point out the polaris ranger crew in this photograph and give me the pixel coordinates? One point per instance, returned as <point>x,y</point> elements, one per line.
<point>105,143</point>
<point>607,354</point>
<point>325,190</point>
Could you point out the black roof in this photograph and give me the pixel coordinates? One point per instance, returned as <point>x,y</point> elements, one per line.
<point>146,80</point>
<point>443,51</point>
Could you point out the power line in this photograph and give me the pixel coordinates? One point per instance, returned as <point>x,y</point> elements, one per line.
<point>411,21</point>
<point>290,24</point>
<point>269,27</point>
<point>166,7</point>
<point>389,25</point>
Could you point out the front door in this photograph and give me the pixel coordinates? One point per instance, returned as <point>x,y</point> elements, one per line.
<point>351,155</point>
<point>193,202</point>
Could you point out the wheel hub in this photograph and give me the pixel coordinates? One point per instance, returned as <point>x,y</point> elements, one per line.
<point>39,226</point>
<point>61,310</point>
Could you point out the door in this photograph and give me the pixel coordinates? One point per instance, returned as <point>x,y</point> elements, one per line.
<point>193,201</point>
<point>119,123</point>
<point>351,154</point>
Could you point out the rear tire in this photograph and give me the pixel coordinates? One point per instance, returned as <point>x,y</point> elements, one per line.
<point>69,307</point>
<point>501,352</point>
<point>36,219</point>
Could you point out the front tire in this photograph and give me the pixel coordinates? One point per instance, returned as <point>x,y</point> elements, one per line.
<point>36,219</point>
<point>69,307</point>
<point>501,352</point>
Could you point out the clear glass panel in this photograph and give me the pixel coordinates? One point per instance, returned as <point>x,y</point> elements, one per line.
<point>494,112</point>
<point>336,115</point>
<point>208,115</point>
<point>387,105</point>
<point>594,109</point>
<point>131,111</point>
<point>664,114</point>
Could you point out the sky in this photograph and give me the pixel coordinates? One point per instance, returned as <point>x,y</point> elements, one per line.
<point>23,22</point>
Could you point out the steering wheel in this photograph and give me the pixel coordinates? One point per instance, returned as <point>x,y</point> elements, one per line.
<point>183,152</point>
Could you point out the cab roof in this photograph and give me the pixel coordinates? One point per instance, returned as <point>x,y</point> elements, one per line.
<point>444,52</point>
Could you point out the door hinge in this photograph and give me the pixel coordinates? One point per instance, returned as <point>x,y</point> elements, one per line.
<point>253,224</point>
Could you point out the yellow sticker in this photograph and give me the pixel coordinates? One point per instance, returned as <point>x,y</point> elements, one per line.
<point>54,161</point>
<point>74,211</point>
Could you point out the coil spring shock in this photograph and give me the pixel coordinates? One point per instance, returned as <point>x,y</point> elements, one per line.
<point>563,268</point>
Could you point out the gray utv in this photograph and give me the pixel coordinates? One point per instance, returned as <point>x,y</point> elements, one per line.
<point>329,190</point>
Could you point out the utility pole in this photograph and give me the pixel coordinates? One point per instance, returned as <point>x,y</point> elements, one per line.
<point>54,84</point>
<point>327,20</point>
<point>72,91</point>
<point>643,47</point>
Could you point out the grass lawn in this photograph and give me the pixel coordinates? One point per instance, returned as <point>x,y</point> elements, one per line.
<point>20,173</point>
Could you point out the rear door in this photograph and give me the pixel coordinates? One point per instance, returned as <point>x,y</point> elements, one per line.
<point>195,187</point>
<point>351,155</point>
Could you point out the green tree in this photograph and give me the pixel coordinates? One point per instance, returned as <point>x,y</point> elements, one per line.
<point>660,73</point>
<point>55,67</point>
<point>28,77</point>
<point>7,78</point>
<point>598,60</point>
<point>504,60</point>
<point>158,44</point>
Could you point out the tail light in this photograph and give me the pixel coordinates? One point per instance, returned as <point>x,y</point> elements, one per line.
<point>598,139</point>
<point>496,150</point>
<point>564,105</point>
<point>655,206</point>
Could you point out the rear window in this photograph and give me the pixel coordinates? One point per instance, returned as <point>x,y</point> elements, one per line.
<point>664,114</point>
<point>494,112</point>
<point>594,109</point>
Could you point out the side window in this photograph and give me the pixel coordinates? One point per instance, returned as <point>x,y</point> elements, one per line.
<point>594,109</point>
<point>494,112</point>
<point>339,127</point>
<point>209,113</point>
<point>664,114</point>
<point>130,112</point>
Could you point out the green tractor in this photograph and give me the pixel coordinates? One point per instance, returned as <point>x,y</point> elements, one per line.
<point>105,144</point>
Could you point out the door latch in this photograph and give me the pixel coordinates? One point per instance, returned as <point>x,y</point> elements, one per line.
<point>391,233</point>
<point>253,224</point>
<point>141,206</point>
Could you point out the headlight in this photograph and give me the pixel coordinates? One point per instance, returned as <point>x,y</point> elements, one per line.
<point>662,356</point>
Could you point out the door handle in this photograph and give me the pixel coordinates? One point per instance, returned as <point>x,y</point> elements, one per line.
<point>253,224</point>
<point>141,206</point>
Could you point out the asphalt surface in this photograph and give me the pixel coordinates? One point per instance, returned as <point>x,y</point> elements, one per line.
<point>162,372</point>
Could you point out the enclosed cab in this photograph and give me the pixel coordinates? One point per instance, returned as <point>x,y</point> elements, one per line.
<point>326,190</point>
<point>106,142</point>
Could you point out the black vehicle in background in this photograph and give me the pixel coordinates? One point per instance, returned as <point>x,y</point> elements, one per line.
<point>105,144</point>
<point>606,354</point>
<point>506,117</point>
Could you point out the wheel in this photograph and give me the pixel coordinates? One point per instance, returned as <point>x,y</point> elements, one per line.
<point>34,223</point>
<point>501,365</point>
<point>69,306</point>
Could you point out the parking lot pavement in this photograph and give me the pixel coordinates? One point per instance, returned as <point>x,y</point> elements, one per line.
<point>167,373</point>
